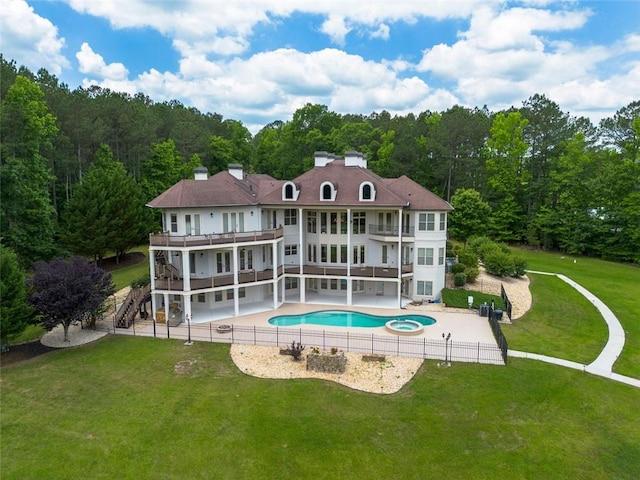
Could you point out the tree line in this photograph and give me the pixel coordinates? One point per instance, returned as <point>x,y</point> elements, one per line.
<point>78,165</point>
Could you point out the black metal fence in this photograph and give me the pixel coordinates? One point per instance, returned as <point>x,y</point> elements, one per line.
<point>356,342</point>
<point>507,302</point>
<point>498,335</point>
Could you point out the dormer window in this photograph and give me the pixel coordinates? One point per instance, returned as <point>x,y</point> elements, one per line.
<point>327,192</point>
<point>289,191</point>
<point>367,192</point>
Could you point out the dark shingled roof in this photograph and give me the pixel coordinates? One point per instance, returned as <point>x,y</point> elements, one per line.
<point>224,189</point>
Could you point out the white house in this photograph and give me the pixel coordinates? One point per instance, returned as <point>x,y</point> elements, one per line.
<point>236,243</point>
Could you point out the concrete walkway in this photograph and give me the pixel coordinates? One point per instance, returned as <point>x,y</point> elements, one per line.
<point>603,364</point>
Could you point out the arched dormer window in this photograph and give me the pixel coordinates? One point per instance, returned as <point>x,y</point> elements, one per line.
<point>289,191</point>
<point>327,191</point>
<point>367,192</point>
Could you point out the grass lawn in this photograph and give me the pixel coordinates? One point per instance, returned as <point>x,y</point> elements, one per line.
<point>122,277</point>
<point>617,285</point>
<point>32,332</point>
<point>561,323</point>
<point>118,409</point>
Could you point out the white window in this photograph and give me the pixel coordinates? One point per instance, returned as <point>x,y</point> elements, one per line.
<point>290,216</point>
<point>192,263</point>
<point>290,283</point>
<point>233,222</point>
<point>174,223</point>
<point>359,222</point>
<point>441,256</point>
<point>246,259</point>
<point>358,255</point>
<point>426,222</point>
<point>289,191</point>
<point>425,256</point>
<point>425,287</point>
<point>223,262</point>
<point>327,192</point>
<point>443,222</point>
<point>291,249</point>
<point>385,256</point>
<point>312,222</point>
<point>367,192</point>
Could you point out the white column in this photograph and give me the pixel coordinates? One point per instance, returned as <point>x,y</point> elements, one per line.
<point>186,271</point>
<point>301,252</point>
<point>152,268</point>
<point>349,282</point>
<point>166,307</point>
<point>399,285</point>
<point>236,265</point>
<point>274,264</point>
<point>186,301</point>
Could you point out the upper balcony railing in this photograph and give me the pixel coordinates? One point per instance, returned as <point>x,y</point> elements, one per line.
<point>390,230</point>
<point>166,239</point>
<point>250,276</point>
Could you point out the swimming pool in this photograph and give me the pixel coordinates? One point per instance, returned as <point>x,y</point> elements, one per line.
<point>343,318</point>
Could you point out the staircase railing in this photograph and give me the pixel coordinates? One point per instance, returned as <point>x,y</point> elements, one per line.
<point>127,311</point>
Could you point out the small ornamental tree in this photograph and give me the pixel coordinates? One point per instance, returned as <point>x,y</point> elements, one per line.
<point>67,290</point>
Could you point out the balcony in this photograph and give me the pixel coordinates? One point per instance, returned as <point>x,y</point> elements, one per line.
<point>250,276</point>
<point>166,239</point>
<point>390,232</point>
<point>244,277</point>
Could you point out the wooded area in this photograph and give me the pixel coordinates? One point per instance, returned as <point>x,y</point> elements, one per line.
<point>78,166</point>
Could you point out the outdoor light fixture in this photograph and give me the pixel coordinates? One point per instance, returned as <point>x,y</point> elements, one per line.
<point>188,342</point>
<point>447,358</point>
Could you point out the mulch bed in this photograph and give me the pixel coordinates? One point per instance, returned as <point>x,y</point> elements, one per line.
<point>23,352</point>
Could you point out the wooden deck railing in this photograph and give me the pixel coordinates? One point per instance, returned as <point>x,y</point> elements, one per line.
<point>249,276</point>
<point>166,239</point>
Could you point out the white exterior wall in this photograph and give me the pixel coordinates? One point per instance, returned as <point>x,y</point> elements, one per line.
<point>435,273</point>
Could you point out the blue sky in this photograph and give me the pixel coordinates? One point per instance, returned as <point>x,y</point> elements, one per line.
<point>259,60</point>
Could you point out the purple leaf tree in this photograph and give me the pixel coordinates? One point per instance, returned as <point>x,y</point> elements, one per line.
<point>65,290</point>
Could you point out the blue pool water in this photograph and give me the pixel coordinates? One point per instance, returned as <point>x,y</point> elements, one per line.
<point>341,318</point>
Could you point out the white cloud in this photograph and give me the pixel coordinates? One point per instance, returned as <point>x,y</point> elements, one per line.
<point>382,32</point>
<point>503,59</point>
<point>92,63</point>
<point>336,29</point>
<point>30,39</point>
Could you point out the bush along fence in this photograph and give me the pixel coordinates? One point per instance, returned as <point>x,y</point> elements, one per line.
<point>399,346</point>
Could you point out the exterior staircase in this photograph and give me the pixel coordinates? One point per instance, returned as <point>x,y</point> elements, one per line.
<point>129,308</point>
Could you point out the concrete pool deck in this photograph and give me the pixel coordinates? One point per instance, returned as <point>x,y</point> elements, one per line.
<point>463,327</point>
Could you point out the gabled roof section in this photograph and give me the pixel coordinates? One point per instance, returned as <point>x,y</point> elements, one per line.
<point>225,189</point>
<point>221,189</point>
<point>415,196</point>
<point>346,180</point>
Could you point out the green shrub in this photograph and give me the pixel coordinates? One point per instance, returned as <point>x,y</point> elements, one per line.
<point>458,267</point>
<point>519,266</point>
<point>499,263</point>
<point>468,257</point>
<point>472,273</point>
<point>459,279</point>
